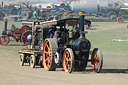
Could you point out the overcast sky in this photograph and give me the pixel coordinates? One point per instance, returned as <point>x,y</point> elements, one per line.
<point>57,0</point>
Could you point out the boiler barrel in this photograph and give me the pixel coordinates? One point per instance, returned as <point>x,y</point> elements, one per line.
<point>87,7</point>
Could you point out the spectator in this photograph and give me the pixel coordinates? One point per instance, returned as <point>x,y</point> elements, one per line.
<point>29,37</point>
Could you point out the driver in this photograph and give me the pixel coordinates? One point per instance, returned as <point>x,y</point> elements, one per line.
<point>52,31</point>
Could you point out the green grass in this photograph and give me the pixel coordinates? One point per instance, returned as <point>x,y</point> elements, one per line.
<point>115,54</point>
<point>104,39</point>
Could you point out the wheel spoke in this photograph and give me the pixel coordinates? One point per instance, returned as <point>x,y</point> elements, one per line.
<point>97,65</point>
<point>68,55</point>
<point>46,52</point>
<point>66,63</point>
<point>66,59</point>
<point>93,67</point>
<point>98,60</point>
<point>69,60</point>
<point>68,66</point>
<point>47,46</point>
<point>95,60</point>
<point>48,64</point>
<point>47,59</point>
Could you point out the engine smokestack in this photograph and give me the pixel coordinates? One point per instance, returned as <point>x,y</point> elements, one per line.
<point>82,20</point>
<point>2,5</point>
<point>5,27</point>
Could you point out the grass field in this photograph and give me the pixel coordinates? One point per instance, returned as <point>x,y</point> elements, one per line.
<point>115,53</point>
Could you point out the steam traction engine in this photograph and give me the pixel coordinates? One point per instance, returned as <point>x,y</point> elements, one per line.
<point>17,34</point>
<point>62,42</point>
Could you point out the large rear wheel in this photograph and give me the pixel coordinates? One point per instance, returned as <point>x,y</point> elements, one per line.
<point>49,49</point>
<point>68,60</point>
<point>97,60</point>
<point>4,40</point>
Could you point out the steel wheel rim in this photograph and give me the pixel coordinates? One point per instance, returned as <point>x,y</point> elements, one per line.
<point>4,40</point>
<point>96,59</point>
<point>46,55</point>
<point>66,61</point>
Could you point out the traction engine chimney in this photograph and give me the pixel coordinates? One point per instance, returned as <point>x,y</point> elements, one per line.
<point>82,20</point>
<point>5,27</point>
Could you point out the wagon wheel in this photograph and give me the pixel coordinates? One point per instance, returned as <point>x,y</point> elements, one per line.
<point>22,59</point>
<point>111,14</point>
<point>120,20</point>
<point>68,60</point>
<point>24,37</point>
<point>25,28</point>
<point>49,49</point>
<point>32,61</point>
<point>4,40</point>
<point>97,62</point>
<point>113,18</point>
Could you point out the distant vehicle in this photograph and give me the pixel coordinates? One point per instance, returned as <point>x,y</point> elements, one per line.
<point>109,12</point>
<point>62,6</point>
<point>17,34</point>
<point>123,15</point>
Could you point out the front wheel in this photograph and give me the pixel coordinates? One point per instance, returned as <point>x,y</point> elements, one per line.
<point>68,60</point>
<point>97,60</point>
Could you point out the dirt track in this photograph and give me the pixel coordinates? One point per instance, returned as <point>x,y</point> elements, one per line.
<point>11,73</point>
